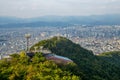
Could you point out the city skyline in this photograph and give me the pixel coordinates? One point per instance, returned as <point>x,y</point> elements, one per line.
<point>37,8</point>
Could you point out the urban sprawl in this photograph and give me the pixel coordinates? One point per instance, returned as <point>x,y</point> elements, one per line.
<point>99,39</point>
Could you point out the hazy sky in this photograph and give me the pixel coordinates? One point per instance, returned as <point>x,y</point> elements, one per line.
<point>35,8</point>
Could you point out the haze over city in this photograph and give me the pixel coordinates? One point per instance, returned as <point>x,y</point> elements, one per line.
<point>68,18</point>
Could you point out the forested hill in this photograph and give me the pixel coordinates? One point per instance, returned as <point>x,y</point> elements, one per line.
<point>86,66</point>
<point>22,67</point>
<point>89,66</point>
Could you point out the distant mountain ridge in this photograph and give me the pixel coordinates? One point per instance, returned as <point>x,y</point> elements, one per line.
<point>60,21</point>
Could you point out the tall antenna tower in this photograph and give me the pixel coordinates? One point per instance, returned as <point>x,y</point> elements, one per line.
<point>27,36</point>
<point>35,48</point>
<point>58,36</point>
<point>0,56</point>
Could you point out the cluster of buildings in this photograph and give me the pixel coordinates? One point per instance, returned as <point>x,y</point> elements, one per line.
<point>99,45</point>
<point>99,39</point>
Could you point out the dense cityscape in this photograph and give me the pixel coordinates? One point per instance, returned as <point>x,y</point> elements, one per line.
<point>99,39</point>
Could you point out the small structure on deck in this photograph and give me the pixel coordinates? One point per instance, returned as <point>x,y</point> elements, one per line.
<point>58,59</point>
<point>50,56</point>
<point>53,57</point>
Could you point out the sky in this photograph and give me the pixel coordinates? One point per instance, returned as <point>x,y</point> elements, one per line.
<point>37,8</point>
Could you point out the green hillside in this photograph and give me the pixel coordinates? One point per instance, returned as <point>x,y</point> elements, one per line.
<point>112,57</point>
<point>86,66</point>
<point>21,67</point>
<point>62,46</point>
<point>89,66</point>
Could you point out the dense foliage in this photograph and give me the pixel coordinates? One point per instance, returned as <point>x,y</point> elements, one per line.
<point>89,66</point>
<point>21,67</point>
<point>86,66</point>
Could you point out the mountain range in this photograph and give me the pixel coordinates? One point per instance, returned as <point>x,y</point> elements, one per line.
<point>60,21</point>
